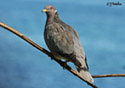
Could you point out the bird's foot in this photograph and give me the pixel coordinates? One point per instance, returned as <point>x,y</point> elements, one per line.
<point>65,63</point>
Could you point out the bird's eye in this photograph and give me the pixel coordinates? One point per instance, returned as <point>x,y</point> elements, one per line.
<point>51,7</point>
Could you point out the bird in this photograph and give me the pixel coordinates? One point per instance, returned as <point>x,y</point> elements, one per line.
<point>64,42</point>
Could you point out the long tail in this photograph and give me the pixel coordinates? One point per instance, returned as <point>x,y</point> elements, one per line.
<point>83,69</point>
<point>86,75</point>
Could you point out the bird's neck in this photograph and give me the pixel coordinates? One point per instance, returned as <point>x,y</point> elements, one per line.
<point>49,19</point>
<point>56,17</point>
<point>52,18</point>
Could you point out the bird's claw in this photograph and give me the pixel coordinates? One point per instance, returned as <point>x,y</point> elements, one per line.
<point>65,63</point>
<point>64,66</point>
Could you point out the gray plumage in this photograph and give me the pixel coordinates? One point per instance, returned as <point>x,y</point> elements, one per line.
<point>64,43</point>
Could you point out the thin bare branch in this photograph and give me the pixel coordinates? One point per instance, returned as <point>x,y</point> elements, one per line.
<point>46,52</point>
<point>108,75</point>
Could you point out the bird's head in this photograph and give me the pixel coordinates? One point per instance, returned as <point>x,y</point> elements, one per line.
<point>49,10</point>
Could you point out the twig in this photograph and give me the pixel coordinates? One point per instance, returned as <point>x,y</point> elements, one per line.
<point>46,52</point>
<point>108,75</point>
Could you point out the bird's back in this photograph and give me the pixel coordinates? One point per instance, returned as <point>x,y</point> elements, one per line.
<point>78,49</point>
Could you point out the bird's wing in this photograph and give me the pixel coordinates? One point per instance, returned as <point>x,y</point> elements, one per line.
<point>78,49</point>
<point>59,40</point>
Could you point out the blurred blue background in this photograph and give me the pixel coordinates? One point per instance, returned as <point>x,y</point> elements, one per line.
<point>101,29</point>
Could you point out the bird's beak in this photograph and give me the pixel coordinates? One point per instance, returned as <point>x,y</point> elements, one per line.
<point>44,10</point>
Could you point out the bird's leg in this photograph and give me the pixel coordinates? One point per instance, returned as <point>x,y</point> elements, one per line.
<point>65,63</point>
<point>52,56</point>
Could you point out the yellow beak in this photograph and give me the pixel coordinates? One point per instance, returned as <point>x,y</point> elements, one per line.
<point>44,10</point>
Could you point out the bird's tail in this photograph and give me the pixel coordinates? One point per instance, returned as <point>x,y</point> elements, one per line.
<point>86,75</point>
<point>83,69</point>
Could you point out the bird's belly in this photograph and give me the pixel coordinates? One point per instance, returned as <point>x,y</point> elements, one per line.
<point>57,56</point>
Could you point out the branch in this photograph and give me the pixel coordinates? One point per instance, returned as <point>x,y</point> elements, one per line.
<point>46,52</point>
<point>108,75</point>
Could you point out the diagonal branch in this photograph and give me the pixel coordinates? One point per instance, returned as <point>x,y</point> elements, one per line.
<point>46,52</point>
<point>58,61</point>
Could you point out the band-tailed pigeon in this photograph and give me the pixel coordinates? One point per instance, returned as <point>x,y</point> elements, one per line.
<point>64,43</point>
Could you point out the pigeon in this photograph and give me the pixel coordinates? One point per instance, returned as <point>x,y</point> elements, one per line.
<point>64,42</point>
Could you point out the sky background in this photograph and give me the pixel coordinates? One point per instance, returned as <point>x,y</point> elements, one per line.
<point>101,29</point>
